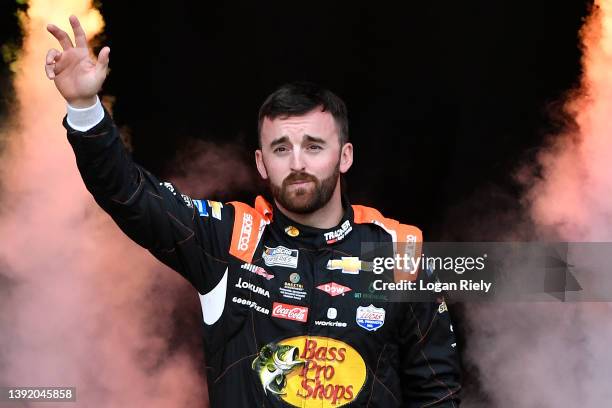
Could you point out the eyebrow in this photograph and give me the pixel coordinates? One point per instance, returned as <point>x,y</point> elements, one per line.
<point>307,138</point>
<point>280,140</point>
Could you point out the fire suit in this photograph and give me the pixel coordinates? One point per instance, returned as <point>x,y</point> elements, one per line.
<point>290,318</point>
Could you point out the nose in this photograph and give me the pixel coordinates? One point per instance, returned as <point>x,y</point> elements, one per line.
<point>297,161</point>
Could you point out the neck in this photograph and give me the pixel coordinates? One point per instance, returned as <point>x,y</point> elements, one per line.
<point>325,217</point>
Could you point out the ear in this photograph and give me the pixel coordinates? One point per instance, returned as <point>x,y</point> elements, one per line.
<point>346,157</point>
<point>261,167</point>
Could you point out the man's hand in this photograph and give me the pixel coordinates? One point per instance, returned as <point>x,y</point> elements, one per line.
<point>77,77</point>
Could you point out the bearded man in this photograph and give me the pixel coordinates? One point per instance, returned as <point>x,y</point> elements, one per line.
<point>289,314</point>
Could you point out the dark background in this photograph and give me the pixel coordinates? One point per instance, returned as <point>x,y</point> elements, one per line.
<point>446,99</point>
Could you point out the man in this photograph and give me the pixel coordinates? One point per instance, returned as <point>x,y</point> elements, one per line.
<point>290,318</point>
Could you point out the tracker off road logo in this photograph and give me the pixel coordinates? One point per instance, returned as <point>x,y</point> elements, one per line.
<point>339,234</point>
<point>311,371</point>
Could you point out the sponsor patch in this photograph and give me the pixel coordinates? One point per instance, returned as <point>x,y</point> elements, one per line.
<point>245,232</point>
<point>370,318</point>
<point>290,312</point>
<point>252,287</point>
<point>201,206</point>
<point>293,289</point>
<point>258,270</point>
<point>215,209</point>
<point>311,371</point>
<point>332,313</point>
<point>370,294</point>
<point>330,323</point>
<point>187,200</point>
<point>281,256</point>
<point>347,264</point>
<point>442,308</point>
<point>169,186</point>
<point>339,234</point>
<point>334,289</point>
<point>252,304</point>
<point>411,246</point>
<point>292,231</point>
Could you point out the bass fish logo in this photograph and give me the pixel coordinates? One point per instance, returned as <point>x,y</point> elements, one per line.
<point>273,364</point>
<point>311,371</point>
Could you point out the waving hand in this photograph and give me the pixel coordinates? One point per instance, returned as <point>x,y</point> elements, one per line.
<point>76,75</point>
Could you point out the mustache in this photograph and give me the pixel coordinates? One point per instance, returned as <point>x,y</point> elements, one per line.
<point>299,176</point>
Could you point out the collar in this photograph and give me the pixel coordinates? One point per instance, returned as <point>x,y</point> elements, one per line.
<point>305,235</point>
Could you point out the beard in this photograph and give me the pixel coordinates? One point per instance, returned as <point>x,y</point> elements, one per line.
<point>308,199</point>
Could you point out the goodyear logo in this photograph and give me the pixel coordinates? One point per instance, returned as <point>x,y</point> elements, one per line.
<point>311,371</point>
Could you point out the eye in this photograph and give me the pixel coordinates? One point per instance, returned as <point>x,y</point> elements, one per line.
<point>280,149</point>
<point>315,147</point>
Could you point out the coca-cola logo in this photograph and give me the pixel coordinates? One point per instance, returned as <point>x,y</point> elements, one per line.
<point>290,312</point>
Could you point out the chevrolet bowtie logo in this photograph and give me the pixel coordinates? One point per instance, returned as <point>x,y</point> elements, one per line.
<point>349,264</point>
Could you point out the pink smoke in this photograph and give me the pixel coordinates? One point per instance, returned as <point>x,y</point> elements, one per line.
<point>551,354</point>
<point>81,304</point>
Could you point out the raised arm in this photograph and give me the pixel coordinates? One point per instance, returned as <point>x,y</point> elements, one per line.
<point>185,234</point>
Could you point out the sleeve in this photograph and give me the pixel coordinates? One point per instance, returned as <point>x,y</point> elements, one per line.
<point>430,369</point>
<point>189,236</point>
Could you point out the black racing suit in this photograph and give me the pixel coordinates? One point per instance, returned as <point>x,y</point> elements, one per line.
<point>290,317</point>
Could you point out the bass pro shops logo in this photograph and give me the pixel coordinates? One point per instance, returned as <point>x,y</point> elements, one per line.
<point>311,371</point>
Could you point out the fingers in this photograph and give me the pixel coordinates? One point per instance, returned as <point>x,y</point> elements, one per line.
<point>102,64</point>
<point>52,56</point>
<point>60,35</point>
<point>79,34</point>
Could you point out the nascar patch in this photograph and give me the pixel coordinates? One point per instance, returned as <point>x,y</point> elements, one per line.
<point>281,256</point>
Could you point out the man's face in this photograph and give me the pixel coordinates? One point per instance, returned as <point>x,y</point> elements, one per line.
<point>302,159</point>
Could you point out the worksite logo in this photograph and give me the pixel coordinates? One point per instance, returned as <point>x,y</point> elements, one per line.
<point>311,371</point>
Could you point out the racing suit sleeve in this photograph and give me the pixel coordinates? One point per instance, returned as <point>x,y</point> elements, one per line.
<point>430,369</point>
<point>189,236</point>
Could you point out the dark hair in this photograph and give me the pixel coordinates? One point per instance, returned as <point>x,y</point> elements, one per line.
<point>299,98</point>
